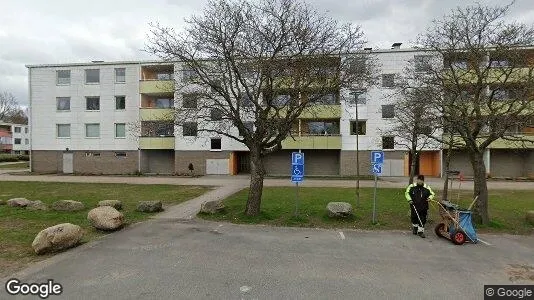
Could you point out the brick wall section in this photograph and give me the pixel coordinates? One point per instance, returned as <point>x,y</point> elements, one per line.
<point>45,161</point>
<point>317,162</point>
<point>198,158</point>
<point>106,163</point>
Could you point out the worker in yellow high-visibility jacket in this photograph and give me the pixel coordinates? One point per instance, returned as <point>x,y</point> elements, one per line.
<point>418,195</point>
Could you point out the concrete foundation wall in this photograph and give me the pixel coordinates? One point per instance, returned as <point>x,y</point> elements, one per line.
<point>182,160</point>
<point>44,161</point>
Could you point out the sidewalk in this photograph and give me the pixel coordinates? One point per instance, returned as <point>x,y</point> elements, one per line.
<point>243,180</point>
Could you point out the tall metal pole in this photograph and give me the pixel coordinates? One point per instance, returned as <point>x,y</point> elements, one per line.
<point>357,155</point>
<point>374,202</point>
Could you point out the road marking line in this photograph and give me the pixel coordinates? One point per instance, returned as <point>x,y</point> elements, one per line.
<point>486,243</point>
<point>342,235</point>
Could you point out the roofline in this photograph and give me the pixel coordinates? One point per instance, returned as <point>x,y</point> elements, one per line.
<point>3,123</point>
<point>147,62</point>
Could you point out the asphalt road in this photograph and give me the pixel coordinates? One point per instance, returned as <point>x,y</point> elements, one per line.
<point>170,259</point>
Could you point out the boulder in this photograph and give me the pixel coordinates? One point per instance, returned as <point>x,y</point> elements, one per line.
<point>68,205</point>
<point>18,202</point>
<point>105,218</point>
<point>212,207</point>
<point>116,204</point>
<point>339,209</point>
<point>149,206</point>
<point>37,205</point>
<point>58,237</point>
<point>530,217</point>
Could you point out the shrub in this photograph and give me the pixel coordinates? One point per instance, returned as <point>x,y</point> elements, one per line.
<point>24,157</point>
<point>8,158</point>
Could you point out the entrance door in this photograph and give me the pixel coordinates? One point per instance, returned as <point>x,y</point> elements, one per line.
<point>68,158</point>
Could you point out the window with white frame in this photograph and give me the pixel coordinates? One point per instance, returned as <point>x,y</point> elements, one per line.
<point>120,102</point>
<point>63,130</point>
<point>422,63</point>
<point>26,141</point>
<point>63,103</point>
<point>92,76</point>
<point>92,130</point>
<point>388,80</point>
<point>92,103</point>
<point>388,142</point>
<point>18,141</point>
<point>26,130</point>
<point>216,144</point>
<point>18,130</point>
<point>120,130</point>
<point>63,77</point>
<point>190,129</point>
<point>388,111</point>
<point>189,100</point>
<point>120,75</point>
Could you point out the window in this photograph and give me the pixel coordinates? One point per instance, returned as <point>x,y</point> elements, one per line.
<point>17,130</point>
<point>422,63</point>
<point>92,130</point>
<point>164,128</point>
<point>120,130</point>
<point>388,80</point>
<point>245,101</point>
<point>500,94</point>
<point>164,103</point>
<point>92,103</point>
<point>165,76</point>
<point>26,130</point>
<point>216,114</point>
<point>216,144</point>
<point>388,142</point>
<point>63,130</point>
<point>423,129</point>
<point>120,75</point>
<point>190,129</point>
<point>120,102</point>
<point>63,76</point>
<point>322,128</point>
<point>92,76</point>
<point>362,127</point>
<point>26,141</point>
<point>188,75</point>
<point>189,100</point>
<point>18,141</point>
<point>120,154</point>
<point>388,111</point>
<point>63,103</point>
<point>281,100</point>
<point>459,64</point>
<point>499,63</point>
<point>327,99</point>
<point>94,154</point>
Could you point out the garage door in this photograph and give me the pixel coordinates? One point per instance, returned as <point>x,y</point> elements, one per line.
<point>393,167</point>
<point>317,162</point>
<point>217,166</point>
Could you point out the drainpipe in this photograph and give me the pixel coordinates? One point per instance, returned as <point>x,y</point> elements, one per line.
<point>30,117</point>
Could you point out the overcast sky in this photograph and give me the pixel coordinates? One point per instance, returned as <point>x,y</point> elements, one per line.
<point>64,31</point>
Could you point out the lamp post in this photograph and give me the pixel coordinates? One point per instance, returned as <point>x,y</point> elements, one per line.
<point>357,93</point>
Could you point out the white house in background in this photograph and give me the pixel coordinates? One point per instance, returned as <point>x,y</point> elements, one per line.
<point>14,138</point>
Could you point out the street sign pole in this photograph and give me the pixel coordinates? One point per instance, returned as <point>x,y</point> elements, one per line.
<point>297,202</point>
<point>374,202</point>
<point>297,174</point>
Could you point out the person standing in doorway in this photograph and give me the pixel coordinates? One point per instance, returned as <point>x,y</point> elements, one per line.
<point>418,195</point>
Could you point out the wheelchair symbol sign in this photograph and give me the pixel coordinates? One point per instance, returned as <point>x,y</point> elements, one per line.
<point>298,170</point>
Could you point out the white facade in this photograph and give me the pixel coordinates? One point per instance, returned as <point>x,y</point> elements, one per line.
<point>21,138</point>
<point>45,116</point>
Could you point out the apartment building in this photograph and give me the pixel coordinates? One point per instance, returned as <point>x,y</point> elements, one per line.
<point>14,138</point>
<point>117,118</point>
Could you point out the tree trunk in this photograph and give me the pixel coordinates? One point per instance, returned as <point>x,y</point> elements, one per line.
<point>481,187</point>
<point>257,174</point>
<point>446,171</point>
<point>413,163</point>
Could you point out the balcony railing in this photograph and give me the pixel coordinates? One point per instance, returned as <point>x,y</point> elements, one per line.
<point>312,142</point>
<point>156,87</point>
<point>159,142</point>
<point>156,114</point>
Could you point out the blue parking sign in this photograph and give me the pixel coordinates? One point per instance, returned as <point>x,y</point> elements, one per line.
<point>377,157</point>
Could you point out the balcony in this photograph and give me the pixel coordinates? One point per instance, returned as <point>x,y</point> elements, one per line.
<point>322,112</point>
<point>163,142</point>
<point>528,142</point>
<point>313,142</point>
<point>156,114</point>
<point>156,87</point>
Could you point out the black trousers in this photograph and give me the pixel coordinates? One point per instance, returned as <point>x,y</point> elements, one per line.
<point>422,214</point>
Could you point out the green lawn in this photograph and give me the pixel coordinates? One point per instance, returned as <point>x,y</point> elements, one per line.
<point>19,165</point>
<point>507,209</point>
<point>18,226</point>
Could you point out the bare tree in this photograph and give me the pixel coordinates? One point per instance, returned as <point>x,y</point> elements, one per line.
<point>486,82</point>
<point>250,69</point>
<point>8,106</point>
<point>416,125</point>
